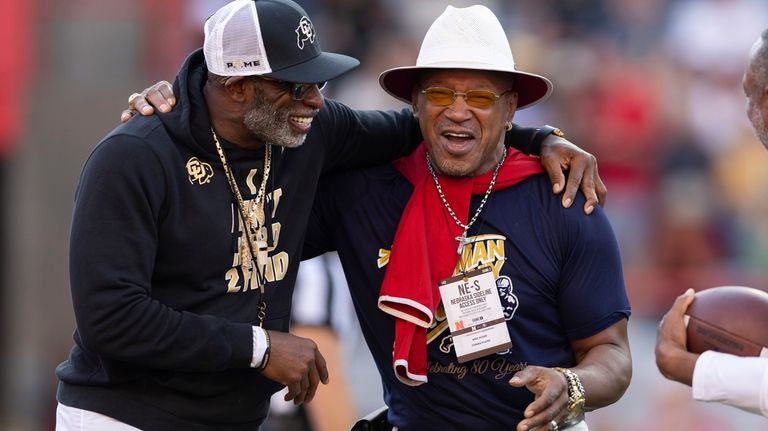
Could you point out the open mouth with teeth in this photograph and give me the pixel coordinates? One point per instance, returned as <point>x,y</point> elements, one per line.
<point>458,136</point>
<point>458,142</point>
<point>303,124</point>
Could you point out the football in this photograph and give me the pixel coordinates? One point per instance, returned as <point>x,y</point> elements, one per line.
<point>729,319</point>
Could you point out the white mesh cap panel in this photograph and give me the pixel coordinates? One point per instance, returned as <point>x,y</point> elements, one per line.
<point>233,42</point>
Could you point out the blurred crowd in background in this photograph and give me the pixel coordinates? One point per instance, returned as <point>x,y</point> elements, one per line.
<point>651,87</point>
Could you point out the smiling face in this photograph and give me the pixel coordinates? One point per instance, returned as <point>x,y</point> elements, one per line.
<point>755,83</point>
<point>463,140</point>
<point>276,118</point>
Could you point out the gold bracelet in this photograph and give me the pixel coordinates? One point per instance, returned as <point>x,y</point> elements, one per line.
<point>576,393</point>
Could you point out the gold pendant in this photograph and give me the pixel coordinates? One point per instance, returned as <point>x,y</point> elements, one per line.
<point>255,214</point>
<point>245,253</point>
<point>259,215</point>
<point>261,249</point>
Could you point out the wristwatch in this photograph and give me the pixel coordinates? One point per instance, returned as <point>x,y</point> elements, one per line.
<point>552,130</point>
<point>539,136</point>
<point>576,393</point>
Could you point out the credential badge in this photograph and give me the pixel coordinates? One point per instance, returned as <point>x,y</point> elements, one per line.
<point>305,32</point>
<point>199,172</point>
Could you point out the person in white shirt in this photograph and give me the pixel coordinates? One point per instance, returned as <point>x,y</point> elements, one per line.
<point>714,376</point>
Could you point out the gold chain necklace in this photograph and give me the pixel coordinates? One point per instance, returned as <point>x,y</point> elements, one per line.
<point>253,243</point>
<point>463,241</point>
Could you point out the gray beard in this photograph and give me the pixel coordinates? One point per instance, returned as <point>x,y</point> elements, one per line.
<point>271,125</point>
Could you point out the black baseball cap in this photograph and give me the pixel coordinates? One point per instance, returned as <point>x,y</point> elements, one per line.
<point>273,38</point>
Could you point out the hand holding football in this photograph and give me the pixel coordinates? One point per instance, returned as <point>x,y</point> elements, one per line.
<point>729,319</point>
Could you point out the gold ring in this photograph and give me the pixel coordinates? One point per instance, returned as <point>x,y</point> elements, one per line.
<point>133,97</point>
<point>553,425</point>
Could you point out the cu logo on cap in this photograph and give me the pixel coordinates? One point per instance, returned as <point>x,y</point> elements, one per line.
<point>304,32</point>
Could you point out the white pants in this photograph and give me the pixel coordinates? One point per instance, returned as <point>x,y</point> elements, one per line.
<point>74,419</point>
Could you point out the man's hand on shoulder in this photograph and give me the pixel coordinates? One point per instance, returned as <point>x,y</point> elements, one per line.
<point>159,95</point>
<point>558,156</point>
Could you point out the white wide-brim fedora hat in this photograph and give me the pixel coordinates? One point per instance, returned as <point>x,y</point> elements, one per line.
<point>466,38</point>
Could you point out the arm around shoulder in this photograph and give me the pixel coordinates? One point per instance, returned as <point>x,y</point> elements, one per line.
<point>569,167</point>
<point>357,138</point>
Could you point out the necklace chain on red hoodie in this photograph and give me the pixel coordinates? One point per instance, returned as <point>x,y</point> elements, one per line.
<point>463,241</point>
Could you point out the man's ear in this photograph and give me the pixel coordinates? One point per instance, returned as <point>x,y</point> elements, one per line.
<point>415,101</point>
<point>236,87</point>
<point>512,106</point>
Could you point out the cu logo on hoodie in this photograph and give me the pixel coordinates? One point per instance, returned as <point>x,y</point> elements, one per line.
<point>199,172</point>
<point>305,32</point>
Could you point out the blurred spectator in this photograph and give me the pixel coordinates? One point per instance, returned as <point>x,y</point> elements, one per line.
<point>740,175</point>
<point>697,29</point>
<point>580,17</point>
<point>687,231</point>
<point>636,23</point>
<point>356,24</point>
<point>359,89</point>
<point>712,63</point>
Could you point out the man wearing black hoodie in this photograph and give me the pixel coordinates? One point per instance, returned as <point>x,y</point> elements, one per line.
<point>188,227</point>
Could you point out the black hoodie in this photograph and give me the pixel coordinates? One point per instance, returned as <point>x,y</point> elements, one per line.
<point>164,319</point>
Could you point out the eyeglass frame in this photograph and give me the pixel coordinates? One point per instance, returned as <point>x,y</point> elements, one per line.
<point>298,90</point>
<point>466,96</point>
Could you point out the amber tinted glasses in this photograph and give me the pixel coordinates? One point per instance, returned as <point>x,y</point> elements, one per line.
<point>476,98</point>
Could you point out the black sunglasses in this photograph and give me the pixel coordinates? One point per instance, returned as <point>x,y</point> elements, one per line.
<point>298,91</point>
